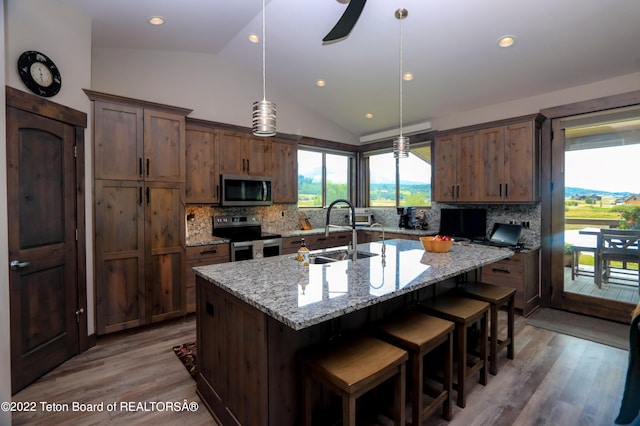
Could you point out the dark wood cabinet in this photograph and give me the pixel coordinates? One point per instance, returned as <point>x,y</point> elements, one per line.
<point>453,177</point>
<point>139,186</point>
<point>244,154</point>
<point>284,171</point>
<point>200,256</point>
<point>492,163</point>
<point>520,271</point>
<point>234,337</point>
<point>202,174</point>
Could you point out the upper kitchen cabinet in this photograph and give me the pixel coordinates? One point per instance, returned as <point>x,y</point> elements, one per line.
<point>454,179</point>
<point>244,154</point>
<point>493,163</point>
<point>203,177</point>
<point>135,142</point>
<point>284,170</point>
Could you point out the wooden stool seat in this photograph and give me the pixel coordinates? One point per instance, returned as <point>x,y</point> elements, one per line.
<point>496,296</point>
<point>464,313</point>
<point>352,368</point>
<point>420,334</point>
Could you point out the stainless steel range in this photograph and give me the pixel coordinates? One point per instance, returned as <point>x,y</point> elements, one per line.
<point>246,236</point>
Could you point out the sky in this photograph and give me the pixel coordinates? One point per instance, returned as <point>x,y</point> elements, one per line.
<point>612,169</point>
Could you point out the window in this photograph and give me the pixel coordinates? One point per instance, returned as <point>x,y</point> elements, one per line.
<point>322,177</point>
<point>403,182</point>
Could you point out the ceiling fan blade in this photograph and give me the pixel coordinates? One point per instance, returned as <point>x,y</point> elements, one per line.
<point>347,21</point>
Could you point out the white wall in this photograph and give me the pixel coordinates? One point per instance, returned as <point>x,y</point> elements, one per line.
<point>215,89</point>
<point>5,349</point>
<point>532,105</point>
<point>64,35</point>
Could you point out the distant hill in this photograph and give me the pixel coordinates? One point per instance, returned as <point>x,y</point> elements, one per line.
<point>572,191</point>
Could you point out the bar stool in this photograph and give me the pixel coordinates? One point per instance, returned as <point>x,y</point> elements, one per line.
<point>420,334</point>
<point>351,368</point>
<point>496,296</point>
<point>464,313</point>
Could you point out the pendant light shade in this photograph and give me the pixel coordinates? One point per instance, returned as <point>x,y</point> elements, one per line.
<point>264,112</point>
<point>264,118</point>
<point>401,143</point>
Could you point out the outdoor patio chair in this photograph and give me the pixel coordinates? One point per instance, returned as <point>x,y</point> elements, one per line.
<point>618,245</point>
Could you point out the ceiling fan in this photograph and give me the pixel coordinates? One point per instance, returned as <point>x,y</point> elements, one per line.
<point>346,22</point>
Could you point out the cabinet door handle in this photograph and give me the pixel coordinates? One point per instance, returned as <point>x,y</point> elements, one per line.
<point>453,191</point>
<point>244,167</point>
<point>140,195</point>
<point>248,169</point>
<point>140,166</point>
<point>502,271</point>
<point>506,190</point>
<point>342,236</point>
<point>457,191</point>
<point>148,166</point>
<point>209,251</point>
<point>500,186</point>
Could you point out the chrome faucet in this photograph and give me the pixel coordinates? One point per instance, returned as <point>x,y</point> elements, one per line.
<point>351,249</point>
<point>382,228</point>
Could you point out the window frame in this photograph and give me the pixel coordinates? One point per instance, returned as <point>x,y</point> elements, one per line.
<point>351,173</point>
<point>366,181</point>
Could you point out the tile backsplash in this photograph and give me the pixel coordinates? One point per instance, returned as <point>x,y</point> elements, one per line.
<point>285,217</point>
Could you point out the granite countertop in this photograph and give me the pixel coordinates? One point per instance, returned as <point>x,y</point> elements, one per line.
<point>301,297</point>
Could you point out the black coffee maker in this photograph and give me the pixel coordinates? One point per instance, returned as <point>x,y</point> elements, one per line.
<point>404,217</point>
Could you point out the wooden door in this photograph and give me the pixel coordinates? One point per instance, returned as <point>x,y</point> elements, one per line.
<point>232,160</point>
<point>164,139</point>
<point>284,171</point>
<point>42,219</point>
<point>118,139</point>
<point>521,161</point>
<point>203,179</point>
<point>446,153</point>
<point>119,254</point>
<point>490,164</point>
<point>164,235</point>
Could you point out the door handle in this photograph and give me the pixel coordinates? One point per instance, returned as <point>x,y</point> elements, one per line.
<point>15,265</point>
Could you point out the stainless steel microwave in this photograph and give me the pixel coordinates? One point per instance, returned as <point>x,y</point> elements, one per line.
<point>240,190</point>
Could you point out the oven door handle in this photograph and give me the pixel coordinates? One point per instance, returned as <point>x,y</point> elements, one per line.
<point>241,244</point>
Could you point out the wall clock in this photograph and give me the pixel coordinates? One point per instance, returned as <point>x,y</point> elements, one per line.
<point>39,73</point>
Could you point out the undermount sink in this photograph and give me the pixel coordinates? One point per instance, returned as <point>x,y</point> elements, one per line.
<point>336,256</point>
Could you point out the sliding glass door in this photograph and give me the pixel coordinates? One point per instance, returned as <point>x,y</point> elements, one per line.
<point>596,186</point>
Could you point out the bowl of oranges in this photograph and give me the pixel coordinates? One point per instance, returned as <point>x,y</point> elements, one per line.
<point>437,244</point>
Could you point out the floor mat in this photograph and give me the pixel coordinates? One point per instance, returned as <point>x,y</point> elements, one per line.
<point>186,353</point>
<point>597,330</point>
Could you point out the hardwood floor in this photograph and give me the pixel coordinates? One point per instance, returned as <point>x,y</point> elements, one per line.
<point>133,366</point>
<point>554,380</point>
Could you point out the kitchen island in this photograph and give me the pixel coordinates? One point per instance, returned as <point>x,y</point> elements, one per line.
<point>254,316</point>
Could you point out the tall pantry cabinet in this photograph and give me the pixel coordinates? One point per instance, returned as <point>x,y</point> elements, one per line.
<point>139,211</point>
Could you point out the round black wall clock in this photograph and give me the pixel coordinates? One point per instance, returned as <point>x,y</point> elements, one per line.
<point>39,73</point>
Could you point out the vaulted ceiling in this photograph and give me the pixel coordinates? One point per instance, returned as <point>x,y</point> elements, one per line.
<point>449,46</point>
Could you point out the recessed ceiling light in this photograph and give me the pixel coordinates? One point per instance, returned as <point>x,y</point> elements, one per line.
<point>156,20</point>
<point>254,38</point>
<point>369,115</point>
<point>321,83</point>
<point>506,41</point>
<point>407,76</point>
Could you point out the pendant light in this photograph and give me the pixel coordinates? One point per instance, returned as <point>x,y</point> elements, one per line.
<point>401,143</point>
<point>264,112</point>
